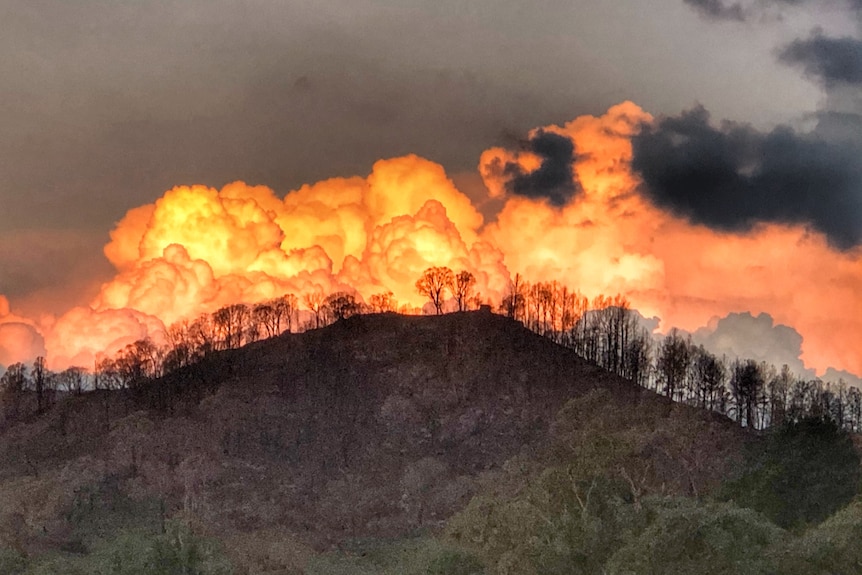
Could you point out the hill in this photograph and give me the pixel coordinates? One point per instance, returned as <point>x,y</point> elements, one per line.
<point>377,427</point>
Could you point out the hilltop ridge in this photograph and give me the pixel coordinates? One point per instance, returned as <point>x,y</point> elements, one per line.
<point>375,426</point>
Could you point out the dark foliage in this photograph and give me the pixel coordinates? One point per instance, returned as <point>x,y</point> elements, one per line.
<point>803,473</point>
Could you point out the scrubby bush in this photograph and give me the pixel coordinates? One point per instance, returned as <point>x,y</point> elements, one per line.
<point>834,547</point>
<point>12,562</point>
<point>685,538</point>
<point>563,524</point>
<point>423,556</point>
<point>804,472</point>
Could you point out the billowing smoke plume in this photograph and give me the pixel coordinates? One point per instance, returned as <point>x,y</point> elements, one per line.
<point>197,249</point>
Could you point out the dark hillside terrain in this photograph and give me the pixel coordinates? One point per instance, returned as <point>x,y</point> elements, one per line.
<point>378,426</point>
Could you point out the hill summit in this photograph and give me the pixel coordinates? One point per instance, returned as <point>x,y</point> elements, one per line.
<point>376,426</point>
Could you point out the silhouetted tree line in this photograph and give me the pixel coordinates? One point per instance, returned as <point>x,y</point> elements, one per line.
<point>609,334</point>
<point>604,331</point>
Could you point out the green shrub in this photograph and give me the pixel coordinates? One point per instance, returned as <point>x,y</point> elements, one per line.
<point>103,509</point>
<point>562,524</point>
<point>176,552</point>
<point>832,548</point>
<point>12,562</point>
<point>423,556</point>
<point>685,538</point>
<point>804,472</point>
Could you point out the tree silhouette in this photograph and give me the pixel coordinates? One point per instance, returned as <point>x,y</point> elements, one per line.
<point>72,380</point>
<point>747,385</point>
<point>342,305</point>
<point>461,286</point>
<point>275,316</point>
<point>433,284</point>
<point>673,363</point>
<point>40,376</point>
<point>231,324</point>
<point>710,379</point>
<point>315,301</point>
<point>382,302</point>
<point>12,385</point>
<point>513,303</point>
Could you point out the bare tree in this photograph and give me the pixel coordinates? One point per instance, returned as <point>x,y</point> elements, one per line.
<point>12,385</point>
<point>616,326</point>
<point>108,374</point>
<point>180,346</point>
<point>275,316</point>
<point>202,335</point>
<point>231,323</point>
<point>382,302</point>
<point>575,306</point>
<point>709,380</point>
<point>72,380</point>
<point>315,301</point>
<point>637,366</point>
<point>747,385</point>
<point>854,409</point>
<point>512,305</point>
<point>673,362</point>
<point>342,305</point>
<point>462,285</point>
<point>40,375</point>
<point>778,391</point>
<point>433,284</point>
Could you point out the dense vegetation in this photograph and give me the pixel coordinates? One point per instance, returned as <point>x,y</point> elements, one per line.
<point>613,491</point>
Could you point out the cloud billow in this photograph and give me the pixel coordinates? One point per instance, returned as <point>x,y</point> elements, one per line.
<point>832,61</point>
<point>733,176</point>
<point>735,11</point>
<point>554,178</point>
<point>717,9</point>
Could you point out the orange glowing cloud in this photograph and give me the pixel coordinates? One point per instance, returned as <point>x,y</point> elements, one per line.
<point>83,334</point>
<point>20,341</point>
<point>609,240</point>
<point>197,248</point>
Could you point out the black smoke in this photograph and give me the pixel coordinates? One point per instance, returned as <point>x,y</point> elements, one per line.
<point>554,178</point>
<point>733,176</point>
<point>832,61</point>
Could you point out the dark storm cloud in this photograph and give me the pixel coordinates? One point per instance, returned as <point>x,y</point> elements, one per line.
<point>554,178</point>
<point>718,9</point>
<point>832,61</point>
<point>725,10</point>
<point>734,176</point>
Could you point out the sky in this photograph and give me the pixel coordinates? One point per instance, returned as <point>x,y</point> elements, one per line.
<point>744,126</point>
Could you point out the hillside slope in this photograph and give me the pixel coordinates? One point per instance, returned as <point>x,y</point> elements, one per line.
<point>376,426</point>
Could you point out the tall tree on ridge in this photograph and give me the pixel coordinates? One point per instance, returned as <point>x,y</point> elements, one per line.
<point>433,284</point>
